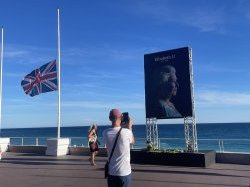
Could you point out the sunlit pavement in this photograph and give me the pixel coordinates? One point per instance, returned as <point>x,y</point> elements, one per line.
<point>26,170</point>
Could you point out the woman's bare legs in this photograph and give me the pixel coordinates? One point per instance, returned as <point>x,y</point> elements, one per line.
<point>92,158</point>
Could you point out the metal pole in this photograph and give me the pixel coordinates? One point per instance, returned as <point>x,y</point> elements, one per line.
<point>58,77</point>
<point>1,83</point>
<point>219,146</point>
<point>189,121</point>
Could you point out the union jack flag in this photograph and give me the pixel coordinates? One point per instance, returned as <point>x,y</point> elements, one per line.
<point>41,80</point>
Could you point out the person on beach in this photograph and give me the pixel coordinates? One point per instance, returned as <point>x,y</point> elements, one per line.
<point>93,143</point>
<point>166,88</point>
<point>119,165</point>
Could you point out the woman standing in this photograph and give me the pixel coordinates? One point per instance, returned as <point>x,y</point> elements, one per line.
<point>93,145</point>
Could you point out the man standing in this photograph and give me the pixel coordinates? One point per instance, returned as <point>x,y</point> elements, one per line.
<point>119,165</point>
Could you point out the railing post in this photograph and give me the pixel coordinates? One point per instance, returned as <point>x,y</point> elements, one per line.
<point>70,141</point>
<point>36,141</point>
<point>219,146</point>
<point>222,143</point>
<point>22,141</point>
<point>159,143</point>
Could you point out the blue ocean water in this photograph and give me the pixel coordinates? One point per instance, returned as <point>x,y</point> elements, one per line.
<point>233,137</point>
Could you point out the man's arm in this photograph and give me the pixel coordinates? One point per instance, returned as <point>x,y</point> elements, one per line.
<point>133,138</point>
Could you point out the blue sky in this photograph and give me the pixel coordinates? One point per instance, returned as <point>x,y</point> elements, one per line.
<point>102,54</point>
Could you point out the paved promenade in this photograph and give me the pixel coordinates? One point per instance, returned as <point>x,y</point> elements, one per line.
<point>27,170</point>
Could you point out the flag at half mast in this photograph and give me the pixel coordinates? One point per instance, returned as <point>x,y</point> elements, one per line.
<point>41,80</point>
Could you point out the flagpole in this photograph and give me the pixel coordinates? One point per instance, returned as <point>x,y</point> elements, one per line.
<point>1,78</point>
<point>59,77</point>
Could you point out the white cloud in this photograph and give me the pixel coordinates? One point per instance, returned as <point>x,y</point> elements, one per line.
<point>102,105</point>
<point>202,16</point>
<point>103,51</point>
<point>209,98</point>
<point>24,54</point>
<point>95,74</point>
<point>9,74</point>
<point>206,21</point>
<point>243,8</point>
<point>216,68</point>
<point>15,53</point>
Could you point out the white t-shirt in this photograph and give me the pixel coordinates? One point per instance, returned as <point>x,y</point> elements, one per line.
<point>120,162</point>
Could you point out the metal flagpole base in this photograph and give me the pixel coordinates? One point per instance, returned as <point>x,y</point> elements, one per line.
<point>190,134</point>
<point>152,132</point>
<point>57,146</point>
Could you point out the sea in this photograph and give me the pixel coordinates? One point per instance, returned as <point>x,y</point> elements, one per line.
<point>222,137</point>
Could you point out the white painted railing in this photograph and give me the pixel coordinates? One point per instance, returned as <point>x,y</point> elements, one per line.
<point>220,145</point>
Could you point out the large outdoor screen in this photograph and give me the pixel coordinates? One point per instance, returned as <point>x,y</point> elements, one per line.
<point>167,84</point>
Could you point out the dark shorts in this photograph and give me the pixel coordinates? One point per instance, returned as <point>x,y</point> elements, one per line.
<point>119,181</point>
<point>93,146</point>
